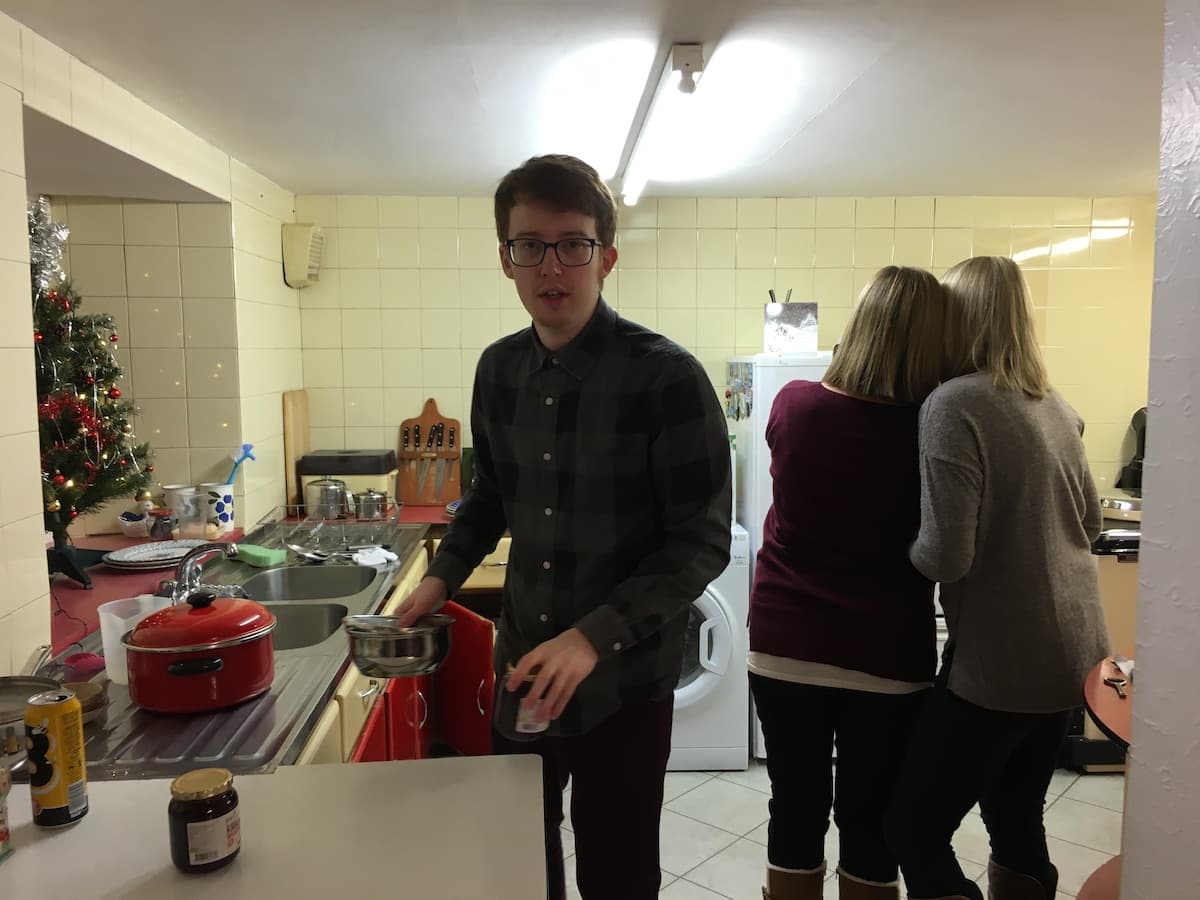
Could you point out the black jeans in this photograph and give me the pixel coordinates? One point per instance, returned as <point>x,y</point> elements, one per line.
<point>616,773</point>
<point>962,754</point>
<point>801,724</point>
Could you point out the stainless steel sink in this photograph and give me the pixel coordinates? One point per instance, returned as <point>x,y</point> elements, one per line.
<point>305,624</point>
<point>308,583</point>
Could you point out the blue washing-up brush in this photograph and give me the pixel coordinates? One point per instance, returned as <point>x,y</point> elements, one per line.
<point>239,457</point>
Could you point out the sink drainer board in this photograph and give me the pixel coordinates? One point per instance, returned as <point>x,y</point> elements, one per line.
<point>289,525</point>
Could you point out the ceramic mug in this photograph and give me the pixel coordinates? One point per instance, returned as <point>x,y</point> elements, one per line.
<point>219,503</point>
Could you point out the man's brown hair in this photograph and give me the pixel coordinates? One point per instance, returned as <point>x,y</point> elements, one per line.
<point>562,183</point>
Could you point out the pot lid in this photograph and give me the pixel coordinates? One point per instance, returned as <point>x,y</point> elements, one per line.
<point>205,620</point>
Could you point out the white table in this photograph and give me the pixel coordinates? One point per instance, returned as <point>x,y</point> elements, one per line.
<point>456,829</point>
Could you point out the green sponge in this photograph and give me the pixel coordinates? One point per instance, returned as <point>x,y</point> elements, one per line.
<point>263,557</point>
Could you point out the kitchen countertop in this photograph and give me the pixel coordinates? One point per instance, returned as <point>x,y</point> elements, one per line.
<point>257,736</point>
<point>439,829</point>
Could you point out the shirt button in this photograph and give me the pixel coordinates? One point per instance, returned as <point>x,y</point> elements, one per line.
<point>554,360</point>
<point>617,646</point>
<point>548,511</point>
<point>546,457</point>
<point>546,564</point>
<point>549,401</point>
<point>544,617</point>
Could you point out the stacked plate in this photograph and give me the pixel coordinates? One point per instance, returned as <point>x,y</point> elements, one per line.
<point>147,557</point>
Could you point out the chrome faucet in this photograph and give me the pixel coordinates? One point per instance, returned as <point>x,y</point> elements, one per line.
<point>187,575</point>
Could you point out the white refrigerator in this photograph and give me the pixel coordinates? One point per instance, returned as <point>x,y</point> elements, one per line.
<point>751,385</point>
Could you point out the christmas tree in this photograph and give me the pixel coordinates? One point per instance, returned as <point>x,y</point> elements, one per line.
<point>87,444</point>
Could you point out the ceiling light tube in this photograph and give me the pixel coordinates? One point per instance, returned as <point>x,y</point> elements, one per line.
<point>681,72</point>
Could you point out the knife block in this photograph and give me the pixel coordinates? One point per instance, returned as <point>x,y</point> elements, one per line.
<point>429,475</point>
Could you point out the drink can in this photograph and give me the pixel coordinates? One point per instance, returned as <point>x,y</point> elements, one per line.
<point>57,768</point>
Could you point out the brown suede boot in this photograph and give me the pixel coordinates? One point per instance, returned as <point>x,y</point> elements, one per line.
<point>795,885</point>
<point>1009,884</point>
<point>851,888</point>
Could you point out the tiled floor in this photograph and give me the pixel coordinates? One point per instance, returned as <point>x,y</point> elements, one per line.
<point>714,833</point>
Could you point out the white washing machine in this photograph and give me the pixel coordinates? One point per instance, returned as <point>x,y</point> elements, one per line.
<point>711,730</point>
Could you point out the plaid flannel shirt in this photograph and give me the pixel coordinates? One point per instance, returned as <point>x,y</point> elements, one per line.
<point>608,463</point>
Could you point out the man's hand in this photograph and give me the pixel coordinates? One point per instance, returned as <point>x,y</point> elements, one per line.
<point>427,597</point>
<point>564,662</point>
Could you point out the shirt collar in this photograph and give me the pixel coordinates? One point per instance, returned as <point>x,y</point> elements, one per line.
<point>580,356</point>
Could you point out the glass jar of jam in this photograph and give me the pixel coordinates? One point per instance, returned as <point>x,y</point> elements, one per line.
<point>205,827</point>
<point>512,718</point>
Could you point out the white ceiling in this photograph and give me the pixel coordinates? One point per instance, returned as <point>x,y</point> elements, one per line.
<point>443,96</point>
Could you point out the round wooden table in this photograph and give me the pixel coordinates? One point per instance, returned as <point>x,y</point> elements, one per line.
<point>1110,712</point>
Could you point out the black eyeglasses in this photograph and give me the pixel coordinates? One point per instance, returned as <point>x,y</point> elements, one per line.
<point>572,252</point>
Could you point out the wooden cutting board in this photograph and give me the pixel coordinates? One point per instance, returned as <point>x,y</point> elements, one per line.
<point>297,440</point>
<point>429,457</point>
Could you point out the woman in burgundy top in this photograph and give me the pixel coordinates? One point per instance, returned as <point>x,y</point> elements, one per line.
<point>842,639</point>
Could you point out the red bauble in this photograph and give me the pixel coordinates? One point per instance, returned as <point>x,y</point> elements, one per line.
<point>149,468</point>
<point>66,304</point>
<point>59,479</point>
<point>37,337</point>
<point>74,513</point>
<point>114,393</point>
<point>122,463</point>
<point>52,295</point>
<point>114,338</point>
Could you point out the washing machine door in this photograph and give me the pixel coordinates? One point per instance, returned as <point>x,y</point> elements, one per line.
<point>707,650</point>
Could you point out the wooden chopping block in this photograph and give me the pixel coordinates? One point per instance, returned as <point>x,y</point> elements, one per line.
<point>429,458</point>
<point>297,440</point>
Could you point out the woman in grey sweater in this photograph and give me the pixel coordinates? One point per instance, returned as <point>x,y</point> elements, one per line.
<point>1008,514</point>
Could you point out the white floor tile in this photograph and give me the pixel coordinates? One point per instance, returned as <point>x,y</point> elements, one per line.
<point>736,872</point>
<point>1061,782</point>
<point>755,777</point>
<point>1099,790</point>
<point>568,842</point>
<point>683,889</point>
<point>724,805</point>
<point>678,783</point>
<point>1074,864</point>
<point>685,843</point>
<point>667,880</point>
<point>971,841</point>
<point>1082,823</point>
<point>759,836</point>
<point>572,888</point>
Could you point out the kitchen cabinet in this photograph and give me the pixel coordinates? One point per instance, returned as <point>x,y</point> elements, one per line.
<point>464,685</point>
<point>324,745</point>
<point>409,723</point>
<point>373,745</point>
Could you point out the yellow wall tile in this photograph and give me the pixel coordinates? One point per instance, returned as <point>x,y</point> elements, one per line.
<point>834,247</point>
<point>438,247</point>
<point>440,328</point>
<point>677,248</point>
<point>357,212</point>
<point>756,212</point>
<point>480,289</point>
<point>480,327</point>
<point>716,288</point>
<point>637,248</point>
<point>873,247</point>
<point>314,209</point>
<point>795,247</point>
<point>755,248</point>
<point>679,325</point>
<point>748,330</point>
<point>796,212</point>
<point>833,287</point>
<point>358,248</point>
<point>799,281</point>
<point>156,323</point>
<point>12,150</point>
<point>994,212</point>
<point>643,315</point>
<point>915,212</point>
<point>644,215</point>
<point>1070,247</point>
<point>676,212</point>
<point>639,288</point>
<point>399,329</point>
<point>398,212</point>
<point>677,288</point>
<point>1112,247</point>
<point>478,248</point>
<point>473,212</point>
<point>954,212</point>
<point>399,248</point>
<point>1031,246</point>
<point>951,245</point>
<point>913,247</point>
<point>322,368</point>
<point>205,225</point>
<point>830,325</point>
<point>714,327</point>
<point>439,288</point>
<point>401,288</point>
<point>874,212</point>
<point>1038,283</point>
<point>1072,211</point>
<point>835,212</point>
<point>93,221</point>
<point>715,212</point>
<point>437,212</point>
<point>862,277</point>
<point>717,248</point>
<point>364,407</point>
<point>992,242</point>
<point>359,288</point>
<point>752,288</point>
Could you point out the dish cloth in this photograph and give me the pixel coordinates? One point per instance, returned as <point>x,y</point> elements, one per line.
<point>375,556</point>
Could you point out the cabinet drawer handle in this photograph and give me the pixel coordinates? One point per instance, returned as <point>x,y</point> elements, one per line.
<point>479,696</point>
<point>424,710</point>
<point>366,695</point>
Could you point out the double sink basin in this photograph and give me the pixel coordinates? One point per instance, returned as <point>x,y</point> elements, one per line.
<point>304,600</point>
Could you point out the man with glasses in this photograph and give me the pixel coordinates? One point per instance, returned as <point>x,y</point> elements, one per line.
<point>601,447</point>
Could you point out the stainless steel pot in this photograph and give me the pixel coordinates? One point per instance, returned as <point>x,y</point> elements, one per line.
<point>370,505</point>
<point>327,498</point>
<point>382,649</point>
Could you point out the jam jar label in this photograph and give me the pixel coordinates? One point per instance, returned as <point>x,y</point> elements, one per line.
<point>215,839</point>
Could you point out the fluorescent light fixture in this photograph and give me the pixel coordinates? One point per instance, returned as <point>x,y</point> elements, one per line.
<point>590,99</point>
<point>740,112</point>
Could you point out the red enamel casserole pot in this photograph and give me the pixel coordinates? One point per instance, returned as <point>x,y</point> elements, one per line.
<point>206,654</point>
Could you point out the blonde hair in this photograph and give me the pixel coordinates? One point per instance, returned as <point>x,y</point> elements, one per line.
<point>892,348</point>
<point>990,325</point>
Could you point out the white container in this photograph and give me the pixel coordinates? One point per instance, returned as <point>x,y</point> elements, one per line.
<point>118,617</point>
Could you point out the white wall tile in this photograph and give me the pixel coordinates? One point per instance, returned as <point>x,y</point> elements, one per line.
<point>399,248</point>
<point>755,248</point>
<point>440,328</point>
<point>637,248</point>
<point>14,231</point>
<point>358,248</point>
<point>14,294</point>
<point>256,232</point>
<point>437,212</point>
<point>151,224</point>
<point>362,367</point>
<point>480,327</point>
<point>477,212</point>
<point>361,328</point>
<point>209,323</point>
<point>326,293</point>
<point>20,481</point>
<point>98,270</point>
<point>400,288</point>
<point>835,212</point>
<point>677,288</point>
<point>164,423</point>
<point>401,328</point>
<point>756,212</point>
<point>47,81</point>
<point>439,288</point>
<point>321,328</point>
<point>26,627</point>
<point>716,248</point>
<point>796,212</point>
<point>438,248</point>
<point>915,212</point>
<point>214,423</point>
<point>12,151</point>
<point>326,408</point>
<point>156,323</point>
<point>317,210</point>
<point>206,271</point>
<point>364,407</point>
<point>677,248</point>
<point>18,404</point>
<point>677,212</point>
<point>159,374</point>
<point>478,248</point>
<point>479,289</point>
<point>441,368</point>
<point>10,56</point>
<point>359,288</point>
<point>357,212</point>
<point>152,271</point>
<point>713,212</point>
<point>398,212</point>
<point>715,288</point>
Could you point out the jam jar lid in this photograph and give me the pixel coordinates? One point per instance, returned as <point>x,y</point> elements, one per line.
<point>200,784</point>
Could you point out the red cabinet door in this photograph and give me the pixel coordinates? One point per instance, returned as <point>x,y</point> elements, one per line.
<point>463,686</point>
<point>372,743</point>
<point>408,711</point>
